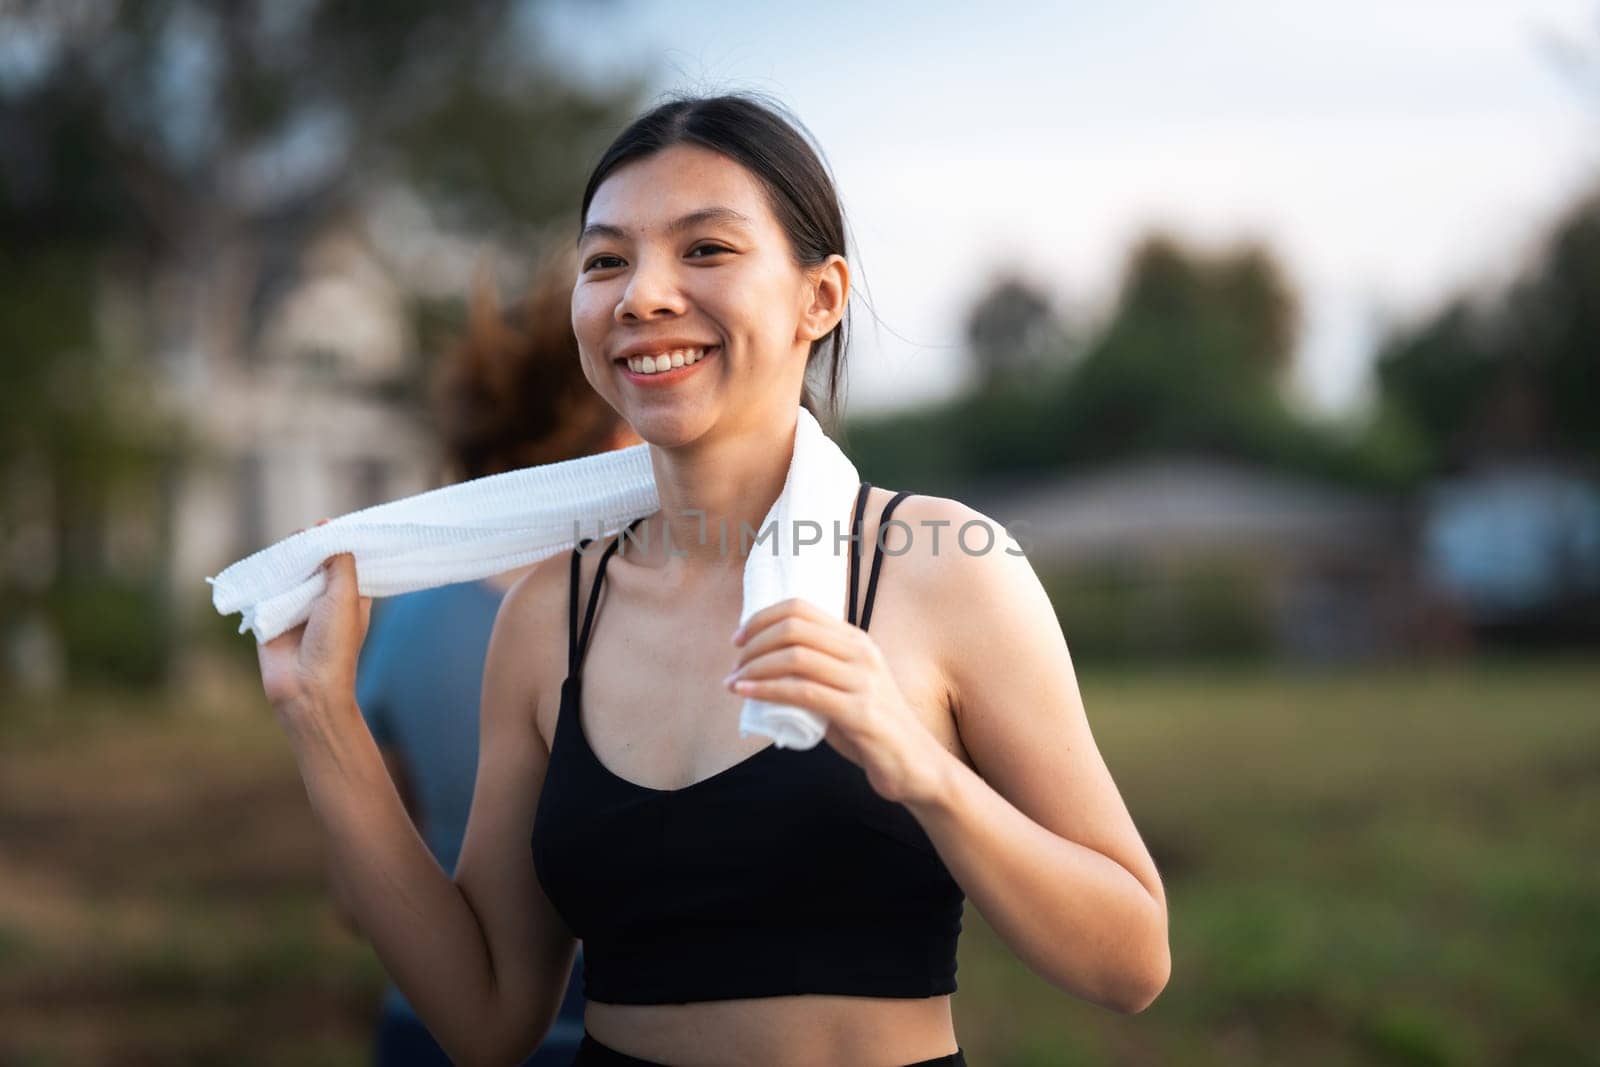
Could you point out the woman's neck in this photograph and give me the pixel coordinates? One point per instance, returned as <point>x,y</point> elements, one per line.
<point>714,496</point>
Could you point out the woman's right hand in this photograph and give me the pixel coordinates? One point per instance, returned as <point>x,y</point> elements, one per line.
<point>314,664</point>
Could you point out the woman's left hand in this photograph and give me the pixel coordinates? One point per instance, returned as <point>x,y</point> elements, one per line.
<point>794,653</point>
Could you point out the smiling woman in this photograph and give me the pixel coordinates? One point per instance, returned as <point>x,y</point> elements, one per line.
<point>738,903</point>
<point>758,225</point>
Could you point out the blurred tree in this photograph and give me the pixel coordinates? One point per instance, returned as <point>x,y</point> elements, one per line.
<point>1515,371</point>
<point>1555,316</point>
<point>1262,312</point>
<point>1238,303</point>
<point>1510,372</point>
<point>1439,372</point>
<point>138,115</point>
<point>1192,358</point>
<point>1013,330</point>
<point>169,159</point>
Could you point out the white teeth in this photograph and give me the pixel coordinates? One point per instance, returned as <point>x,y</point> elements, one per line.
<point>680,357</point>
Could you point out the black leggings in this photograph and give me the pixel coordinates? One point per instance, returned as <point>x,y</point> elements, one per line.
<point>592,1053</point>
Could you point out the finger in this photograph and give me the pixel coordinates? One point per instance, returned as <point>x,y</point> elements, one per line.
<point>794,607</point>
<point>823,700</point>
<point>833,637</point>
<point>826,639</point>
<point>341,570</point>
<point>805,662</point>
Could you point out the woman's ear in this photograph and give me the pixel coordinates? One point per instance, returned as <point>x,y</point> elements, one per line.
<point>828,287</point>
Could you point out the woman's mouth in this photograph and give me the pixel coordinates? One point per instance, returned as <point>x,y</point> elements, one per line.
<point>666,366</point>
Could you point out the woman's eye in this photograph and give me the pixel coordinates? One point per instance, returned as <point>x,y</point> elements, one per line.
<point>708,249</point>
<point>602,262</point>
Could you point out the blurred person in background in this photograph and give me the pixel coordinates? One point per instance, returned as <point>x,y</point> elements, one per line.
<point>510,394</point>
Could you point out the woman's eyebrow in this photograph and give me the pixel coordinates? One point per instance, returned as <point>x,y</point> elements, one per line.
<point>702,217</point>
<point>708,215</point>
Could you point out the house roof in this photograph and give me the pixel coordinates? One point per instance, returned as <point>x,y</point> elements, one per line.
<point>1181,502</point>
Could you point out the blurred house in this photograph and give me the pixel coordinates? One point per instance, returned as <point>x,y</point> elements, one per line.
<point>295,395</point>
<point>1187,555</point>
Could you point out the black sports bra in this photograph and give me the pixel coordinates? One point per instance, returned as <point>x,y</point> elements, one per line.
<point>784,873</point>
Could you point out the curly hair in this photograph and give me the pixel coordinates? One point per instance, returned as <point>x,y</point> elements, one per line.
<point>511,392</point>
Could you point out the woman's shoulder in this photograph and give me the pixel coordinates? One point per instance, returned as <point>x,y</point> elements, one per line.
<point>945,552</point>
<point>976,591</point>
<point>930,531</point>
<point>539,597</point>
<point>528,645</point>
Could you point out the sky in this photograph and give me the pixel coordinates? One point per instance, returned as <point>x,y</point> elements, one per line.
<point>1391,154</point>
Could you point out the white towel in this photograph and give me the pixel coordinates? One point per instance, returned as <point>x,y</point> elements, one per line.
<point>489,525</point>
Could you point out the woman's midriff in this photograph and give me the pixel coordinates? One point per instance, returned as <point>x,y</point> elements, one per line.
<point>789,1031</point>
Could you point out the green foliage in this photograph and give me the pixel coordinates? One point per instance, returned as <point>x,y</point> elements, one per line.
<point>1235,309</point>
<point>71,418</point>
<point>1515,370</point>
<point>1555,312</point>
<point>115,631</point>
<point>1012,330</point>
<point>459,98</point>
<point>44,316</point>
<point>491,158</point>
<point>1192,359</point>
<point>1212,610</point>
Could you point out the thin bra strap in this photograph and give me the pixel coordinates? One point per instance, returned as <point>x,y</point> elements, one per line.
<point>877,555</point>
<point>577,647</point>
<point>572,609</point>
<point>855,549</point>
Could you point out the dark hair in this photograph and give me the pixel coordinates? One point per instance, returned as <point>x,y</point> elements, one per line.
<point>801,193</point>
<point>511,393</point>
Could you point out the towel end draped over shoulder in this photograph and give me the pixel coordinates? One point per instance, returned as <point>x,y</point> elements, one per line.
<point>490,525</point>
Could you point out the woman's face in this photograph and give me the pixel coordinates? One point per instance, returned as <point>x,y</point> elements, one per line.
<point>682,260</point>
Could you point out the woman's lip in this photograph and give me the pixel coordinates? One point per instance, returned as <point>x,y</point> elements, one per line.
<point>668,375</point>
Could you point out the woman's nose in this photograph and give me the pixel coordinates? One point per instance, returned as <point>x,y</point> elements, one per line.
<point>652,292</point>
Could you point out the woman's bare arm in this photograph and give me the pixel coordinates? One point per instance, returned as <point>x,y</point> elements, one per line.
<point>483,959</point>
<point>401,776</point>
<point>530,946</point>
<point>1039,837</point>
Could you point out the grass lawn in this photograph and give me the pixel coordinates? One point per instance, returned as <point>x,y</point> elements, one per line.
<point>1395,866</point>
